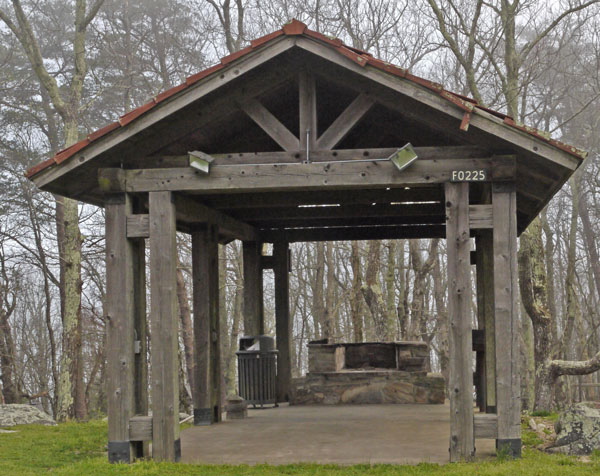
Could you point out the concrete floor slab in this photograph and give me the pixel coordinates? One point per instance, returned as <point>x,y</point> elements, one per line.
<point>344,434</point>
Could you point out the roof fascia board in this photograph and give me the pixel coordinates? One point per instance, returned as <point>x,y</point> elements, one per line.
<point>481,119</point>
<point>170,106</point>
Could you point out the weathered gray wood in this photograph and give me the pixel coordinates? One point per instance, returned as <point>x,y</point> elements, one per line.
<point>314,176</point>
<point>354,233</point>
<point>189,210</point>
<point>486,269</point>
<point>283,326</point>
<point>253,288</point>
<point>270,124</point>
<point>508,391</point>
<point>120,318</point>
<point>480,217</point>
<point>140,428</point>
<point>141,336</point>
<point>486,425</point>
<point>350,221</point>
<point>163,318</point>
<point>356,210</point>
<point>315,155</point>
<point>207,361</point>
<point>460,385</point>
<point>138,226</point>
<point>307,97</point>
<point>480,119</point>
<point>344,123</point>
<point>201,89</point>
<point>245,201</point>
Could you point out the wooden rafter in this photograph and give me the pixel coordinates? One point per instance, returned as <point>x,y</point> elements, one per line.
<point>345,122</point>
<point>270,124</point>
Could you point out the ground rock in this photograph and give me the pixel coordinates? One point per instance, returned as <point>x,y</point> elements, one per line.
<point>20,414</point>
<point>578,429</point>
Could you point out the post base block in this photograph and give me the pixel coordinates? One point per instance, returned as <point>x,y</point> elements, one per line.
<point>509,446</point>
<point>119,452</point>
<point>202,416</point>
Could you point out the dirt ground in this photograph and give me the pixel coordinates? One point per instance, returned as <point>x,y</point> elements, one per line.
<point>344,434</point>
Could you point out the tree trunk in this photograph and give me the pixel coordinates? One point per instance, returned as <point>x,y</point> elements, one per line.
<point>355,297</point>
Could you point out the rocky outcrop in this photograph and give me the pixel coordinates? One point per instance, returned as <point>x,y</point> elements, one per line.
<point>15,414</point>
<point>578,429</point>
<point>375,386</point>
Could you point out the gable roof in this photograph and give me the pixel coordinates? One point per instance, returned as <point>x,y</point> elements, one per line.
<point>361,58</point>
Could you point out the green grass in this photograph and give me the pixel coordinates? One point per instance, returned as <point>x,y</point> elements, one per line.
<point>79,449</point>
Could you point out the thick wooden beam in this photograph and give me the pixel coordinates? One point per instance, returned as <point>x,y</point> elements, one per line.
<point>207,362</point>
<point>138,225</point>
<point>480,217</point>
<point>508,391</point>
<point>283,325</point>
<point>341,211</point>
<point>345,121</point>
<point>298,177</point>
<point>315,155</point>
<point>120,325</point>
<point>485,305</point>
<point>486,426</point>
<point>460,385</point>
<point>190,211</point>
<point>253,288</point>
<point>246,201</point>
<point>140,428</point>
<point>353,233</point>
<point>270,124</point>
<point>350,221</point>
<point>142,448</point>
<point>307,97</point>
<point>163,316</point>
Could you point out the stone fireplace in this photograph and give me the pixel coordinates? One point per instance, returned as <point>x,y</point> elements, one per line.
<point>369,372</point>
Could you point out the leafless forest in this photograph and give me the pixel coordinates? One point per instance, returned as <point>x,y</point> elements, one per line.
<point>68,68</point>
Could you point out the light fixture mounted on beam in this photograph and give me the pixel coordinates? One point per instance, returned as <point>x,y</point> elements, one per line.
<point>403,157</point>
<point>200,161</point>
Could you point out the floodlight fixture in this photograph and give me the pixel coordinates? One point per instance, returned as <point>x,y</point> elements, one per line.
<point>200,161</point>
<point>403,157</point>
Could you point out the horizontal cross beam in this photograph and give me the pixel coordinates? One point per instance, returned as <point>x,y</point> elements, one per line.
<point>301,177</point>
<point>353,233</point>
<point>316,155</point>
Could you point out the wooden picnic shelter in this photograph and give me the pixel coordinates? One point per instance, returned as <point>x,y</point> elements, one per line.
<point>297,138</point>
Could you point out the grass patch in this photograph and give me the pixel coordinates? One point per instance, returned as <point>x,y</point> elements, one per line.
<point>75,449</point>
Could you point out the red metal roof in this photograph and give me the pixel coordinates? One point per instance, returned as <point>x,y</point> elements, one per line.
<point>297,28</point>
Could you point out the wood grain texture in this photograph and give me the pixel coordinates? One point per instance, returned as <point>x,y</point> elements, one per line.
<point>508,391</point>
<point>460,385</point>
<point>164,325</point>
<point>283,328</point>
<point>307,98</point>
<point>486,426</point>
<point>120,318</point>
<point>294,177</point>
<point>207,362</point>
<point>344,123</point>
<point>253,288</point>
<point>270,124</point>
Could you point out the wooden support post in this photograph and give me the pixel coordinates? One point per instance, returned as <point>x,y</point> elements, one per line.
<point>207,366</point>
<point>120,318</point>
<point>508,390</point>
<point>307,96</point>
<point>142,448</point>
<point>283,328</point>
<point>486,269</point>
<point>459,307</point>
<point>253,288</point>
<point>166,445</point>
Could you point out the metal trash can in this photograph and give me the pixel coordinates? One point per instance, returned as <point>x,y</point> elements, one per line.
<point>257,370</point>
